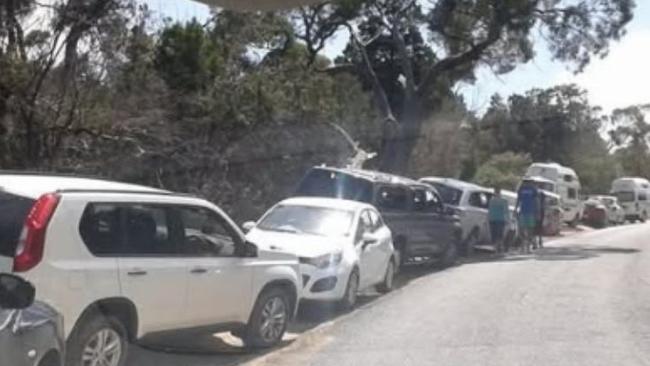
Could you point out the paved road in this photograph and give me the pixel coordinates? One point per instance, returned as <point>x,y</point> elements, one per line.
<point>583,300</point>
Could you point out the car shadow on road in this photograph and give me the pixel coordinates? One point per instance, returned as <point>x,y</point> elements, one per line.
<point>573,252</point>
<point>223,349</point>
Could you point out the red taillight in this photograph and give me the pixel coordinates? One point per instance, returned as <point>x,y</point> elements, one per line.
<point>32,239</point>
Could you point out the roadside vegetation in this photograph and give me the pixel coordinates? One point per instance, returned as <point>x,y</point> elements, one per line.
<point>237,108</point>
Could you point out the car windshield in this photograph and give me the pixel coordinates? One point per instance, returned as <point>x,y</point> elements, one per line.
<point>449,194</point>
<point>308,220</point>
<point>607,201</point>
<point>326,183</point>
<point>625,196</point>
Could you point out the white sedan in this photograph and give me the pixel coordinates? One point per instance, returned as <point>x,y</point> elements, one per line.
<point>344,246</point>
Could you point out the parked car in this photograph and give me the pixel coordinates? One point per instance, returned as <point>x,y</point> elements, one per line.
<point>634,195</point>
<point>595,213</point>
<point>468,201</point>
<point>615,213</point>
<point>423,231</point>
<point>344,246</point>
<point>122,261</point>
<point>31,333</point>
<point>566,184</point>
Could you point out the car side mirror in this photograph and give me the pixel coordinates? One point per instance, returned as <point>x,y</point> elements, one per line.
<point>15,292</point>
<point>368,239</point>
<point>248,226</point>
<point>248,250</point>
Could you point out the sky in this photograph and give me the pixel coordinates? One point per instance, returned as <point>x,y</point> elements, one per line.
<point>619,80</point>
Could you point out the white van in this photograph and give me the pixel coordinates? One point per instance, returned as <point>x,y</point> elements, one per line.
<point>633,194</point>
<point>566,185</point>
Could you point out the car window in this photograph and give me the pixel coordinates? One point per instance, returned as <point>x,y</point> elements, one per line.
<point>625,196</point>
<point>449,195</point>
<point>643,197</point>
<point>206,233</point>
<point>13,212</point>
<point>479,199</point>
<point>392,198</point>
<point>101,229</point>
<point>148,231</point>
<point>425,200</point>
<point>572,193</point>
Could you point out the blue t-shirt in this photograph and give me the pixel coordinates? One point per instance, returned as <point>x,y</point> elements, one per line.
<point>528,200</point>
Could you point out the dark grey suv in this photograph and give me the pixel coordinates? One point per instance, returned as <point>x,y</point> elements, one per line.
<point>31,334</point>
<point>423,231</point>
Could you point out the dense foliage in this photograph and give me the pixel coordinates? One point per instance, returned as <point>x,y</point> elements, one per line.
<point>237,108</point>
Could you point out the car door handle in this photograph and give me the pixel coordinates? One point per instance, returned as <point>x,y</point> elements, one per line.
<point>198,271</point>
<point>137,273</point>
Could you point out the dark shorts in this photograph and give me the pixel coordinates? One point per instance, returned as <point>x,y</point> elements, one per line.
<point>496,229</point>
<point>527,221</point>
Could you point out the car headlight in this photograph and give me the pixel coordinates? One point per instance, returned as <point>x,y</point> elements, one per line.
<point>323,261</point>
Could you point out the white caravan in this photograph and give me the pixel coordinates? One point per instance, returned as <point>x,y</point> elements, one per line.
<point>633,194</point>
<point>566,185</point>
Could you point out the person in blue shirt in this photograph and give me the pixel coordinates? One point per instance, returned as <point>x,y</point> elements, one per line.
<point>498,216</point>
<point>528,206</point>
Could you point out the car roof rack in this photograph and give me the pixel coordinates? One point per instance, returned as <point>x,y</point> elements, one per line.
<point>49,174</point>
<point>126,191</point>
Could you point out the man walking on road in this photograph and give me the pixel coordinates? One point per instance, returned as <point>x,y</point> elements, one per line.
<point>498,215</point>
<point>527,203</point>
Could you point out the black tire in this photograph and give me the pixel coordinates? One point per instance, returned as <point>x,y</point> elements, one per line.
<point>389,278</point>
<point>399,260</point>
<point>253,335</point>
<point>349,299</point>
<point>52,358</point>
<point>450,257</point>
<point>643,217</point>
<point>85,333</point>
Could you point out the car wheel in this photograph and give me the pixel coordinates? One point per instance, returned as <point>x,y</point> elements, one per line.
<point>451,255</point>
<point>52,358</point>
<point>269,320</point>
<point>349,299</point>
<point>644,217</point>
<point>99,340</point>
<point>389,278</point>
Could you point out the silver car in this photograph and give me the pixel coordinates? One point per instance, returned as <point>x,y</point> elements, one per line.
<point>31,333</point>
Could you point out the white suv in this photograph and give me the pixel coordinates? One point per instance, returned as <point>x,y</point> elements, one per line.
<point>122,261</point>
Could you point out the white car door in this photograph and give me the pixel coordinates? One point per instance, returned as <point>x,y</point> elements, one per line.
<point>369,252</point>
<point>151,274</point>
<point>220,281</point>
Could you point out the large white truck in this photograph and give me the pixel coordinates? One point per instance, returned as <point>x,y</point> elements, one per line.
<point>633,194</point>
<point>566,184</point>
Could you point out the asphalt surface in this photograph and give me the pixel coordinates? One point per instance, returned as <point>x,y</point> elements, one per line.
<point>582,300</point>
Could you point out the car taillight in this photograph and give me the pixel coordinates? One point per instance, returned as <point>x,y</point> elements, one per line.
<point>29,251</point>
